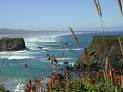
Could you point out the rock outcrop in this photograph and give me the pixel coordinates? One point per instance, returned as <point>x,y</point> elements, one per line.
<point>100,48</point>
<point>12,44</point>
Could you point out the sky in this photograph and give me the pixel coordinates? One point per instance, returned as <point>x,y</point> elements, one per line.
<point>57,14</point>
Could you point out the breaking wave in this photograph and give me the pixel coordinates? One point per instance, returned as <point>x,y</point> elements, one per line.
<point>77,49</point>
<point>15,55</point>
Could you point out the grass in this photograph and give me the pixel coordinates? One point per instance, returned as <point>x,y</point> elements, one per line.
<point>108,39</point>
<point>4,90</point>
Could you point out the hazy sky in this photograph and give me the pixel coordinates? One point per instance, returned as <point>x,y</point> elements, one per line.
<point>57,14</point>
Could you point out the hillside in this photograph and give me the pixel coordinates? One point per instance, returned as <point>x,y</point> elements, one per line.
<point>102,47</point>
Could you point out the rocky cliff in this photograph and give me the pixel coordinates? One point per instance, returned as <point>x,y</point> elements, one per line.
<point>12,44</point>
<point>100,48</point>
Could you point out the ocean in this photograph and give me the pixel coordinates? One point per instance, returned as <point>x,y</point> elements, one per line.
<point>59,44</point>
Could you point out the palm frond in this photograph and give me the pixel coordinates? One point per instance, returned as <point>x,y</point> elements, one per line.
<point>98,7</point>
<point>120,5</point>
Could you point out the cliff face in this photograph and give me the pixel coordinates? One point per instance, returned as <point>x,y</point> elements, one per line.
<point>102,47</point>
<point>12,44</point>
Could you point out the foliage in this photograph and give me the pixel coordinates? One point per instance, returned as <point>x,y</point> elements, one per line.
<point>78,85</point>
<point>3,90</point>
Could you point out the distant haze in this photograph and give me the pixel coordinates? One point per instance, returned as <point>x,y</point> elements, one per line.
<point>24,31</point>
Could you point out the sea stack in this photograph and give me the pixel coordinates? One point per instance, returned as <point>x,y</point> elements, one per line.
<point>12,44</point>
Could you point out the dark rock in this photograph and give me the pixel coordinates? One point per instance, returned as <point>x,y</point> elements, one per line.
<point>12,44</point>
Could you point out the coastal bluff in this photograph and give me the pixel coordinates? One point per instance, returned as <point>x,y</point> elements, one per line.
<point>102,47</point>
<point>12,44</point>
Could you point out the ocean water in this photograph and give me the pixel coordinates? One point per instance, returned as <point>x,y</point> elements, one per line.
<point>12,64</point>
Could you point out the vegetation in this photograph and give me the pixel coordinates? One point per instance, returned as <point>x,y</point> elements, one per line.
<point>3,90</point>
<point>105,78</point>
<point>108,40</point>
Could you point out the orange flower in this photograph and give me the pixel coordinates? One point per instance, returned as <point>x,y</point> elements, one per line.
<point>117,78</point>
<point>109,73</point>
<point>50,83</point>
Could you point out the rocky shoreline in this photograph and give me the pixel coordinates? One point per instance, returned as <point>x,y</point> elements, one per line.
<point>100,48</point>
